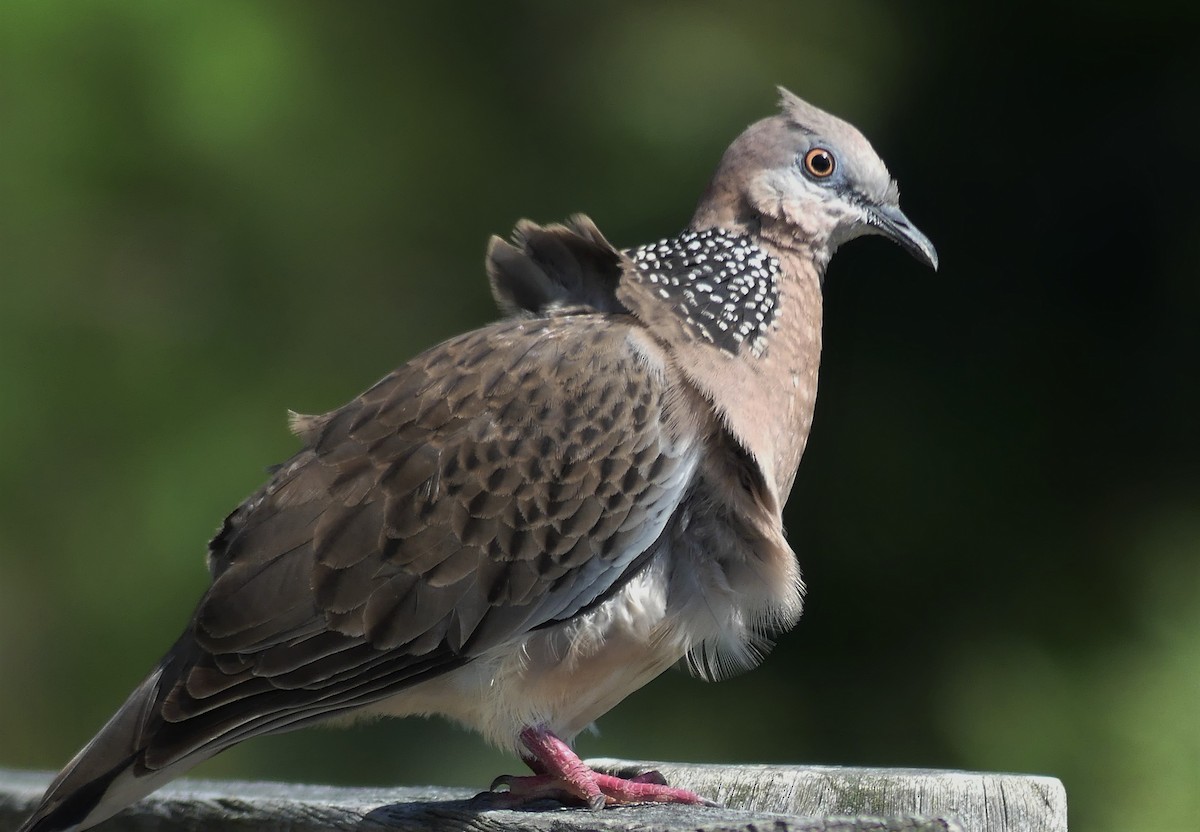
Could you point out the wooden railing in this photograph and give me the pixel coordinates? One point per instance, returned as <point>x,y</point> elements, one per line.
<point>753,797</point>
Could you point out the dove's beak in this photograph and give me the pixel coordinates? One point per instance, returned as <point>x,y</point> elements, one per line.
<point>889,221</point>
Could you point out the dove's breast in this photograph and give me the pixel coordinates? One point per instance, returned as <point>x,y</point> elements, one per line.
<point>686,600</point>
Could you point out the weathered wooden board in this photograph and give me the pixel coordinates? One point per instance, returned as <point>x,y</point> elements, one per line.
<point>755,798</point>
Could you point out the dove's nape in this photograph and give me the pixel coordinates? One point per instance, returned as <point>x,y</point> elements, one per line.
<point>525,524</point>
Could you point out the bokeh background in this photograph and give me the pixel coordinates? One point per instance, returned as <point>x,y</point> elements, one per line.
<point>214,211</point>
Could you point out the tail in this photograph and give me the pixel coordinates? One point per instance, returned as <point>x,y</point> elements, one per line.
<point>109,773</point>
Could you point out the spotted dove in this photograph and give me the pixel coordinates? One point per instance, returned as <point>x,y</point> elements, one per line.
<point>525,524</point>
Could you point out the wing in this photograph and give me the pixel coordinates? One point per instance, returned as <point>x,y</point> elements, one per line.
<point>551,268</point>
<point>504,481</point>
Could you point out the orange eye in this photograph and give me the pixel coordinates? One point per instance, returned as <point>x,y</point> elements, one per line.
<point>819,163</point>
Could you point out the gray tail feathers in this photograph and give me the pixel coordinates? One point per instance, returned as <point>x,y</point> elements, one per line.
<point>108,775</point>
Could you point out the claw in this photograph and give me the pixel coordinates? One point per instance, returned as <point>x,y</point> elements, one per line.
<point>561,776</point>
<point>652,776</point>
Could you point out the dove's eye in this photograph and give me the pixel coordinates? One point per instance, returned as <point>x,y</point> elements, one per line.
<point>819,163</point>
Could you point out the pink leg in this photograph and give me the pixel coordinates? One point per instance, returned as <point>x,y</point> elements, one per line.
<point>561,775</point>
<point>558,761</point>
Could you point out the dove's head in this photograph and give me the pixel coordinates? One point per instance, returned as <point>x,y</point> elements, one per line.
<point>806,178</point>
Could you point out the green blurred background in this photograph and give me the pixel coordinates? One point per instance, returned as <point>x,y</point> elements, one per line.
<point>214,211</point>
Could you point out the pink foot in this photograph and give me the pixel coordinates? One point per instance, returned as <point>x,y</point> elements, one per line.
<point>562,776</point>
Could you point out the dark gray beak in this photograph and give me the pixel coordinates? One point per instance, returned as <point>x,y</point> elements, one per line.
<point>890,221</point>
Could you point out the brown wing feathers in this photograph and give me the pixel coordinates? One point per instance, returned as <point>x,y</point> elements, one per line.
<point>555,267</point>
<point>462,501</point>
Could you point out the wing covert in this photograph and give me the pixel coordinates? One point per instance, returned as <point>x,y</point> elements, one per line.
<point>505,480</point>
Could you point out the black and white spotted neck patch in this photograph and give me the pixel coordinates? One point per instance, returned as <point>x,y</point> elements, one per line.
<point>724,286</point>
